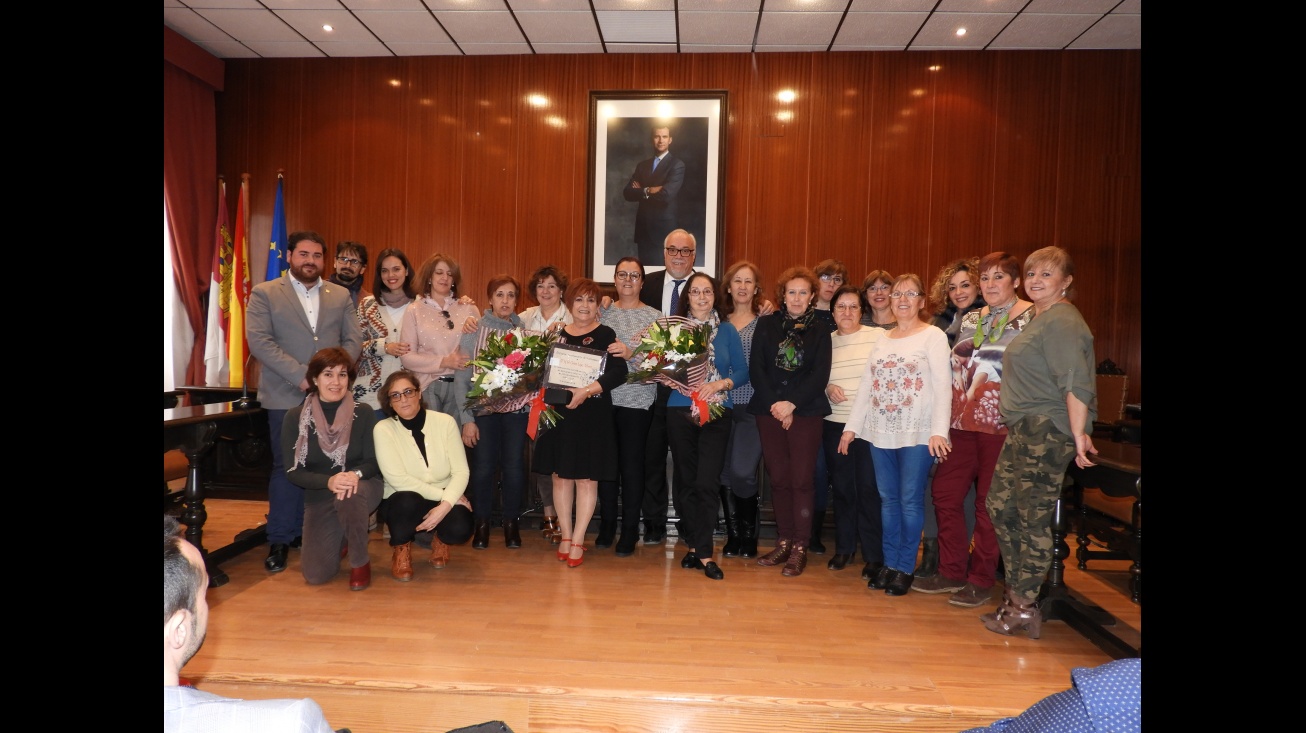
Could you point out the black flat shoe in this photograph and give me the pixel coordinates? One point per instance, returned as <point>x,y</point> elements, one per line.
<point>297,543</point>
<point>626,545</point>
<point>870,570</point>
<point>653,537</point>
<point>882,578</point>
<point>900,584</point>
<point>712,570</point>
<point>276,561</point>
<point>691,562</point>
<point>481,539</point>
<point>838,562</point>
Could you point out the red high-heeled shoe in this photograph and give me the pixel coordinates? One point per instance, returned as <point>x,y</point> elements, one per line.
<point>562,555</point>
<point>576,562</point>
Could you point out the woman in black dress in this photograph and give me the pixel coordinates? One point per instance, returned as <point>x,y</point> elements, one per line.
<point>582,449</point>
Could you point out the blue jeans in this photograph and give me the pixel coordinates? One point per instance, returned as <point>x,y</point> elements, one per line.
<point>901,475</point>
<point>285,500</point>
<point>502,447</point>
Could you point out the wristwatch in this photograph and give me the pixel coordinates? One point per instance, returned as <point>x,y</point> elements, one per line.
<point>359,474</point>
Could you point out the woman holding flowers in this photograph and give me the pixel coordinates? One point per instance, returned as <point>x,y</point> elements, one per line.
<point>629,317</point>
<point>696,432</point>
<point>790,366</point>
<point>582,450</point>
<point>497,431</point>
<point>547,284</point>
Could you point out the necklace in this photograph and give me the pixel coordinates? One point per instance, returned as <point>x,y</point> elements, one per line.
<point>993,324</point>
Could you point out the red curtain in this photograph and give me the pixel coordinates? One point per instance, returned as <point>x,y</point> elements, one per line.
<point>190,178</point>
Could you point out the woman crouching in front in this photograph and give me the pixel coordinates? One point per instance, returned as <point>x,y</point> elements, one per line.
<point>425,468</point>
<point>330,439</point>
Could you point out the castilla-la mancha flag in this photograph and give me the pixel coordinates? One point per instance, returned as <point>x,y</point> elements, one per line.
<point>217,329</point>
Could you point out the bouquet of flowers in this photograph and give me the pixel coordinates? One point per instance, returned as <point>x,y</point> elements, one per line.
<point>509,375</point>
<point>675,350</point>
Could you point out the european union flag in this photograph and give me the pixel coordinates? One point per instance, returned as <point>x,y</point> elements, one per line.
<point>277,261</point>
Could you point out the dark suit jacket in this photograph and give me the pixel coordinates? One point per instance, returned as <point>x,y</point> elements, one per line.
<point>658,214</point>
<point>281,339</point>
<point>650,293</point>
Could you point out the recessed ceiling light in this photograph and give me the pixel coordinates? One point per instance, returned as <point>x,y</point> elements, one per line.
<point>961,32</point>
<point>327,28</point>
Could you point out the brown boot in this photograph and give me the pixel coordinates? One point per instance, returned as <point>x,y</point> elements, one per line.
<point>776,556</point>
<point>439,553</point>
<point>797,561</point>
<point>401,564</point>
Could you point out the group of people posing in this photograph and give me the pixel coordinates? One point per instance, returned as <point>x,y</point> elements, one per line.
<point>888,403</point>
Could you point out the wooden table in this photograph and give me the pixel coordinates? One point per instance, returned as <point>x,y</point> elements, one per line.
<point>1057,600</point>
<point>194,430</point>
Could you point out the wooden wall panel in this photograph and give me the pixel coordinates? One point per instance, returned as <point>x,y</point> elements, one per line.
<point>902,133</point>
<point>838,106</point>
<point>1027,110</point>
<point>961,162</point>
<point>885,163</point>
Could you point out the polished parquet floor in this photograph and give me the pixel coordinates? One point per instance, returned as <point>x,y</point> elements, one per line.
<point>623,644</point>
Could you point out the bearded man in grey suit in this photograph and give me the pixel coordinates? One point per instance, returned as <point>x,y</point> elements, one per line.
<point>287,321</point>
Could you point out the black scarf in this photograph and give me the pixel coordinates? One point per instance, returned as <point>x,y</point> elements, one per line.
<point>415,427</point>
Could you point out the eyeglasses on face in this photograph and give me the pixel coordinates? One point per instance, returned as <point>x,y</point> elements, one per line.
<point>401,396</point>
<point>700,292</point>
<point>682,251</point>
<point>905,294</point>
<point>627,276</point>
<point>447,320</point>
<point>878,289</point>
<point>837,279</point>
<point>351,261</point>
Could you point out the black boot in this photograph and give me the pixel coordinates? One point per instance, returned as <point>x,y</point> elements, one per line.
<point>814,545</point>
<point>929,564</point>
<point>731,548</point>
<point>746,514</point>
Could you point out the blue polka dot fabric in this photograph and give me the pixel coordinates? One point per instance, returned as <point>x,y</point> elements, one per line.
<point>1104,699</point>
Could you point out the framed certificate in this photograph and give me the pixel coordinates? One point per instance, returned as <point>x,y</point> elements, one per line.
<point>573,366</point>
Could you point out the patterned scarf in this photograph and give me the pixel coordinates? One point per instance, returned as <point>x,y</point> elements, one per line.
<point>992,325</point>
<point>714,320</point>
<point>790,355</point>
<point>332,436</point>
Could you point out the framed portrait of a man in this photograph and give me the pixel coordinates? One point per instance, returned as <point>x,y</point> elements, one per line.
<point>656,165</point>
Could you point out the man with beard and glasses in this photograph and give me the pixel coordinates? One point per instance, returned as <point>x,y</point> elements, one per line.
<point>288,320</point>
<point>351,263</point>
<point>185,623</point>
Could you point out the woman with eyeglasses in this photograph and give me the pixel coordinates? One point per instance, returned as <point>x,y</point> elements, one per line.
<point>498,438</point>
<point>628,317</point>
<point>876,310</point>
<point>961,485</point>
<point>698,450</point>
<point>1048,405</point>
<point>328,445</point>
<point>831,275</point>
<point>582,450</point>
<point>433,326</point>
<point>422,459</point>
<point>547,284</point>
<point>380,315</point>
<point>789,368</point>
<point>903,408</point>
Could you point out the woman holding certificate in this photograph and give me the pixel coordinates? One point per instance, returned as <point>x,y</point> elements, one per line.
<point>582,449</point>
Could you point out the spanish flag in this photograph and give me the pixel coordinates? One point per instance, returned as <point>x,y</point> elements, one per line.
<point>237,345</point>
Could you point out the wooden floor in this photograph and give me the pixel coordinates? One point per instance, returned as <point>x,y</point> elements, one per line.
<point>623,644</point>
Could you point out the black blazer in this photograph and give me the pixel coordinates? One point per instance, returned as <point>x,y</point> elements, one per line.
<point>650,293</point>
<point>771,384</point>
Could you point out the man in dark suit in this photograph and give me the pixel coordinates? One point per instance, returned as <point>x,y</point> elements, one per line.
<point>662,290</point>
<point>655,185</point>
<point>288,320</point>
